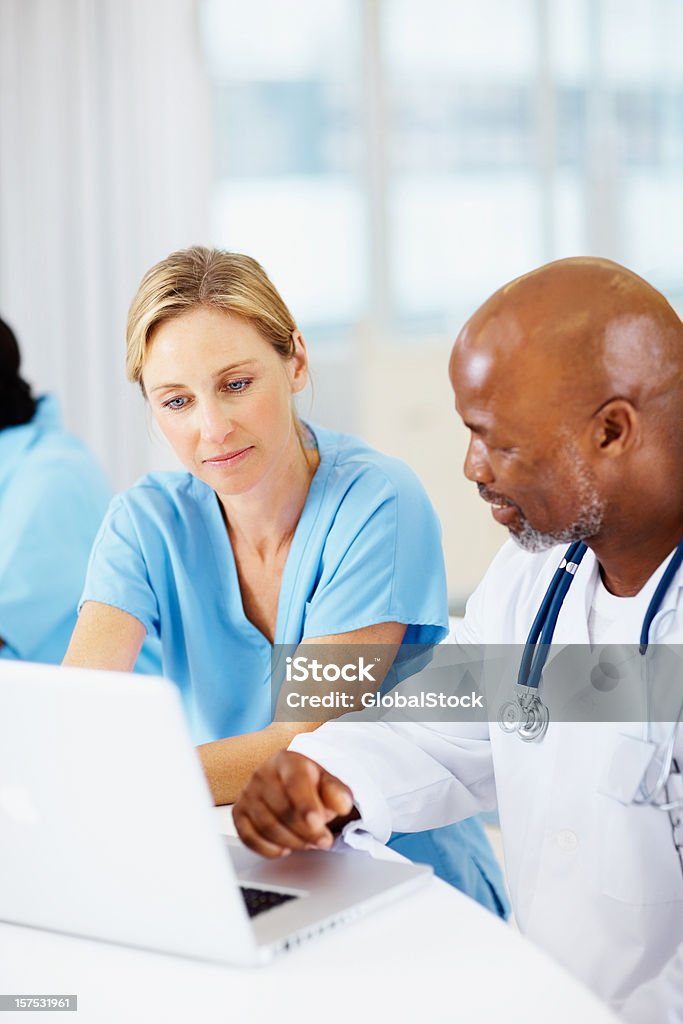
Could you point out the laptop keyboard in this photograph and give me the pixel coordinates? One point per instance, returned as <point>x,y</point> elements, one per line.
<point>258,900</point>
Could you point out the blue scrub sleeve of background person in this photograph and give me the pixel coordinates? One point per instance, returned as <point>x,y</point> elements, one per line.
<point>52,499</point>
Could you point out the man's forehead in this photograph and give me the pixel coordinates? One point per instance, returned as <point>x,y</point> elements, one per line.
<point>473,370</point>
<point>485,349</point>
<point>501,379</point>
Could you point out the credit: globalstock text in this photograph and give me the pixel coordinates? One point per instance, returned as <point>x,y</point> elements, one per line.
<point>348,701</point>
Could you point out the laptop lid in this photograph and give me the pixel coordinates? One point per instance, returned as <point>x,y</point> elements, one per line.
<point>105,816</point>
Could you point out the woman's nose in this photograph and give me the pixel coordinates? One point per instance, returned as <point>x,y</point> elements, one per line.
<point>216,423</point>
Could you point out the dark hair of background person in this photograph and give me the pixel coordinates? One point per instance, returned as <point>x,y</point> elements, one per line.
<point>17,404</point>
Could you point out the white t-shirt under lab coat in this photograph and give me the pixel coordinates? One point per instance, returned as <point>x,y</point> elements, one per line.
<point>596,882</point>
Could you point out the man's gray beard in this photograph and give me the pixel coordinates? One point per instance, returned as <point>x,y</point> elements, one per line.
<point>586,525</point>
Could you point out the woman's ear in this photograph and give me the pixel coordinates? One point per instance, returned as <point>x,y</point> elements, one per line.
<point>616,427</point>
<point>298,363</point>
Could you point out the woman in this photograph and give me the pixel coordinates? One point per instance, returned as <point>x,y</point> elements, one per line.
<point>279,533</point>
<point>52,499</point>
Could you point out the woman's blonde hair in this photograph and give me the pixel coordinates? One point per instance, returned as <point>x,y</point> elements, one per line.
<point>200,276</point>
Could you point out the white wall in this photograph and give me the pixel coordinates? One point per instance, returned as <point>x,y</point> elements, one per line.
<point>407,409</point>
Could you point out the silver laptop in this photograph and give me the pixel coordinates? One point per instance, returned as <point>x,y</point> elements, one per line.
<point>107,830</point>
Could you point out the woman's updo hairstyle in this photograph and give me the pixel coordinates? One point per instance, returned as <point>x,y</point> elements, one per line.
<point>17,404</point>
<point>200,276</point>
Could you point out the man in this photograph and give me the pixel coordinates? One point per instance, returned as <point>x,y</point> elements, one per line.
<point>570,380</point>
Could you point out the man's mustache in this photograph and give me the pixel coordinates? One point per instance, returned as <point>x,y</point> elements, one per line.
<point>495,499</point>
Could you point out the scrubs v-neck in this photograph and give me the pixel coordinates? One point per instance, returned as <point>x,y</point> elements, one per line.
<point>367,549</point>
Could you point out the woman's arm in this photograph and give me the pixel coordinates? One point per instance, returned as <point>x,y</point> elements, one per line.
<point>229,764</point>
<point>108,638</point>
<point>105,637</point>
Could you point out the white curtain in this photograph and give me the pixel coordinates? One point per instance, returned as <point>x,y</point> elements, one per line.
<point>104,169</point>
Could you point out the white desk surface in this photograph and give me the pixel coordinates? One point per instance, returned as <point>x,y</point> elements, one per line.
<point>430,957</point>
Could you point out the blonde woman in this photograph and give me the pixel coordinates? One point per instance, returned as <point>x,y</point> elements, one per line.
<point>277,533</point>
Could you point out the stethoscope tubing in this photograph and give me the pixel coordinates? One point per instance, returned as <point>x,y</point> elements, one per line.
<point>535,654</point>
<point>537,648</point>
<point>658,596</point>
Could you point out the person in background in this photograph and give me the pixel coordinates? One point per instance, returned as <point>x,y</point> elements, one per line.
<point>53,496</point>
<point>277,532</point>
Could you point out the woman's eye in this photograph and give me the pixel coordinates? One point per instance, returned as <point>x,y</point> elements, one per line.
<point>237,386</point>
<point>175,403</point>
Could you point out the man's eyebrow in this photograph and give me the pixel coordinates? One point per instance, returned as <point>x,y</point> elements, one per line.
<point>219,373</point>
<point>476,428</point>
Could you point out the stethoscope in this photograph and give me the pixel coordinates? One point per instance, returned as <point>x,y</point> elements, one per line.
<point>528,716</point>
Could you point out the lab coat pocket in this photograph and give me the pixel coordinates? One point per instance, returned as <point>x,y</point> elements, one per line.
<point>639,863</point>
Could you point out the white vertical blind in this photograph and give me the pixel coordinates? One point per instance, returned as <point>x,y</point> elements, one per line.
<point>104,169</point>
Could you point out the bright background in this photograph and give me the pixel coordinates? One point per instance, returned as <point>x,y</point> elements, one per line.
<point>390,162</point>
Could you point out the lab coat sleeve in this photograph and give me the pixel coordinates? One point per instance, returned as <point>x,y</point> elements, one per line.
<point>660,1000</point>
<point>406,777</point>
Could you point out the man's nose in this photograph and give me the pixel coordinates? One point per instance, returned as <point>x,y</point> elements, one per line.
<point>477,466</point>
<point>216,423</point>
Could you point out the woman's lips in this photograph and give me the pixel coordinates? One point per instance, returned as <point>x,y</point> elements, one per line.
<point>228,458</point>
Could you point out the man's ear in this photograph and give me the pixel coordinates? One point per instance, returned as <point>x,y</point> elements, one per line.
<point>615,427</point>
<point>298,363</point>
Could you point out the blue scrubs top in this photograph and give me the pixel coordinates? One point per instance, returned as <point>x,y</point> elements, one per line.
<point>52,499</point>
<point>366,550</point>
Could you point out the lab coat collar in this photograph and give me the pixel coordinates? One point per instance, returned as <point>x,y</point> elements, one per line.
<point>663,619</point>
<point>572,625</point>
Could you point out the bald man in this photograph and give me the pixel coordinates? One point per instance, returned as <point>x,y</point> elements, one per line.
<point>570,381</point>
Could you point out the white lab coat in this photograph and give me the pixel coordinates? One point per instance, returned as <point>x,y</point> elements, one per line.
<point>595,882</point>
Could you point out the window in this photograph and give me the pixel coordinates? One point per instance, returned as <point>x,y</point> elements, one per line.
<point>393,161</point>
<point>287,149</point>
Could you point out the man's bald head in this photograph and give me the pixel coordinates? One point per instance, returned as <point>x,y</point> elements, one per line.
<point>590,325</point>
<point>580,360</point>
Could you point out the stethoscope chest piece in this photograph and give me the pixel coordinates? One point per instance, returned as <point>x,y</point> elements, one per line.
<point>528,717</point>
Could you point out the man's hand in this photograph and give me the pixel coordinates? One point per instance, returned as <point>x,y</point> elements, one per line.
<point>288,804</point>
